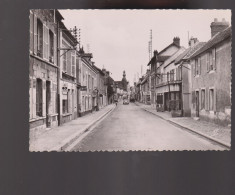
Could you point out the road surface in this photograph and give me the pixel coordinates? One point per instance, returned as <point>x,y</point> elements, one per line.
<point>129,127</point>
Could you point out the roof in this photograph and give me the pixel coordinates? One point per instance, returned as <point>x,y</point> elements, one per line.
<point>214,40</point>
<point>172,44</point>
<point>68,33</point>
<point>173,57</point>
<point>100,71</point>
<point>189,52</point>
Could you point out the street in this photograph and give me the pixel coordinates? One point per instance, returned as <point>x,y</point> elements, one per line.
<point>129,127</point>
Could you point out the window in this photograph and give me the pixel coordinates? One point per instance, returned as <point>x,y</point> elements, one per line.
<point>51,42</point>
<point>211,63</point>
<point>203,99</point>
<point>211,99</point>
<point>39,38</point>
<point>39,97</point>
<point>89,82</point>
<point>92,83</point>
<point>172,74</point>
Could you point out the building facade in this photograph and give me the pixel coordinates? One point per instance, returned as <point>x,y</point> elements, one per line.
<point>67,83</point>
<point>88,91</point>
<point>43,69</point>
<point>211,76</point>
<point>102,88</point>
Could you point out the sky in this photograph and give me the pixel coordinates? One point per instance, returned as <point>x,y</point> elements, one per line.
<point>118,39</point>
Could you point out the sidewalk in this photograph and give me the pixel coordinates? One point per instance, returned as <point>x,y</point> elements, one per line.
<point>211,131</point>
<point>58,138</point>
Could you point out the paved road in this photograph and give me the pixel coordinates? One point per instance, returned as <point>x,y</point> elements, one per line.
<point>129,127</point>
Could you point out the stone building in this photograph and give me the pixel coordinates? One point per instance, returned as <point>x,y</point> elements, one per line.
<point>88,90</point>
<point>101,87</point>
<point>67,83</point>
<point>43,69</point>
<point>211,76</point>
<point>182,63</point>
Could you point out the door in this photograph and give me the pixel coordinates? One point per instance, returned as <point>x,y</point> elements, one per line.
<point>48,100</point>
<point>197,103</point>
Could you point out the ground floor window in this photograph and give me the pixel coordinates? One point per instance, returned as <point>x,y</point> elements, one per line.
<point>203,99</point>
<point>39,97</point>
<point>211,99</point>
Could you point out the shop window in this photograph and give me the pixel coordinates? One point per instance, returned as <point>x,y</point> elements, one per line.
<point>203,97</point>
<point>211,99</point>
<point>39,97</point>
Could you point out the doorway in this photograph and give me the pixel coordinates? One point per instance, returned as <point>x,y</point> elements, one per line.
<point>197,103</point>
<point>48,100</point>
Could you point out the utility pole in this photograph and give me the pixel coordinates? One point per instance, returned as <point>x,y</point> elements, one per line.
<point>150,45</point>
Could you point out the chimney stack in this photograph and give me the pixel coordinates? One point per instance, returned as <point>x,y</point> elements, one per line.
<point>176,40</point>
<point>192,41</point>
<point>155,53</point>
<point>217,26</point>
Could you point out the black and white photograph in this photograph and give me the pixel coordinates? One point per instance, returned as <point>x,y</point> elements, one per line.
<point>130,80</point>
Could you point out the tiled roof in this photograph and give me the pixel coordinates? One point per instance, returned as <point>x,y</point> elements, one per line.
<point>214,40</point>
<point>189,52</point>
<point>162,58</point>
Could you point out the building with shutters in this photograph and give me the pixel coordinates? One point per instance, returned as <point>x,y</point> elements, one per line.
<point>182,63</point>
<point>211,76</point>
<point>165,77</point>
<point>101,88</point>
<point>67,75</point>
<point>88,89</point>
<point>43,69</point>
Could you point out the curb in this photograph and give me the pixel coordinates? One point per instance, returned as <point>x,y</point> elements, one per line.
<point>65,143</point>
<point>197,132</point>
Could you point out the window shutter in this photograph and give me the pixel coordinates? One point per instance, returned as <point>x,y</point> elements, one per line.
<point>31,32</point>
<point>214,106</point>
<point>35,34</point>
<point>214,56</point>
<point>73,62</point>
<point>194,66</point>
<point>44,41</point>
<point>47,34</point>
<point>207,62</point>
<point>207,99</point>
<point>199,66</point>
<point>55,50</point>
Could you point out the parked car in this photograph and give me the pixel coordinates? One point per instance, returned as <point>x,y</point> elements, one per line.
<point>125,101</point>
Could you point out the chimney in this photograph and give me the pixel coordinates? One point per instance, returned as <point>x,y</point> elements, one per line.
<point>155,53</point>
<point>192,41</point>
<point>176,40</point>
<point>217,26</point>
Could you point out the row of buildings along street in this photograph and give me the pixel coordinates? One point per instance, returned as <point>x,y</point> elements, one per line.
<point>64,81</point>
<point>193,81</point>
<point>182,102</point>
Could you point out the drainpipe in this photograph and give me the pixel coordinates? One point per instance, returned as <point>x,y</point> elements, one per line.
<point>58,73</point>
